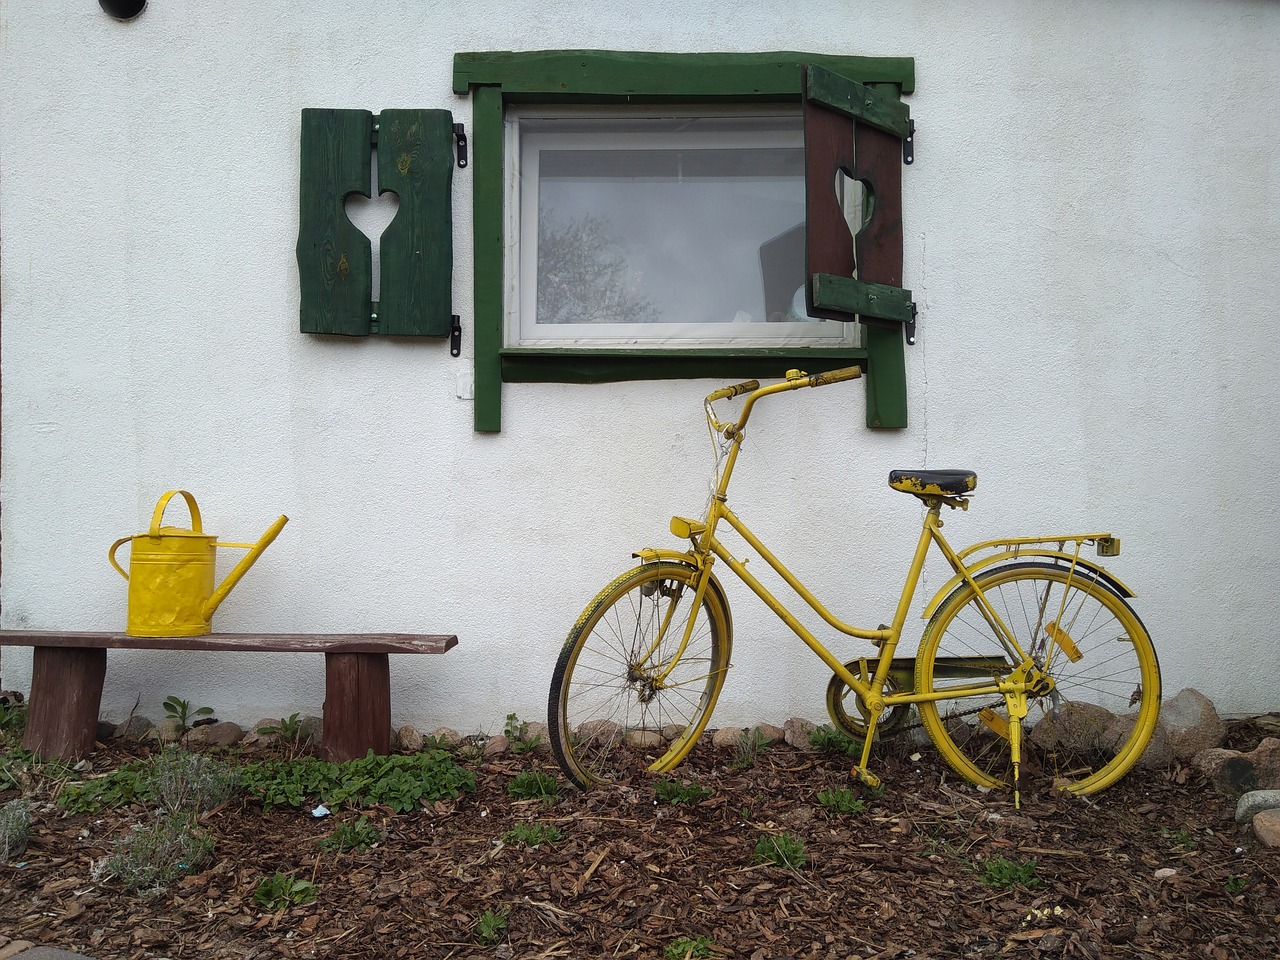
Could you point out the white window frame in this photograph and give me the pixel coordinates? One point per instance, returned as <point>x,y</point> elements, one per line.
<point>521,211</point>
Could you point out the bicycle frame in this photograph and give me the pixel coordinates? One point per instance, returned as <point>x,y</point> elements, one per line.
<point>873,693</point>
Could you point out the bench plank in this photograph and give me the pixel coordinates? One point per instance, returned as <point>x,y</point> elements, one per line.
<point>230,642</point>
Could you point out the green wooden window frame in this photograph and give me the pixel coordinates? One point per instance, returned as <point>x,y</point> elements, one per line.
<point>498,78</point>
<point>335,259</point>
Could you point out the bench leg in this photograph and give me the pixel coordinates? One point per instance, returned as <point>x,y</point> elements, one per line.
<point>66,693</point>
<point>357,705</point>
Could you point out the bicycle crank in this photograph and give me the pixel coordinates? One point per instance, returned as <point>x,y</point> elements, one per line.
<point>854,724</point>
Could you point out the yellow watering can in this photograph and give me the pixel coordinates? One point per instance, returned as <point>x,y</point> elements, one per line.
<point>171,592</point>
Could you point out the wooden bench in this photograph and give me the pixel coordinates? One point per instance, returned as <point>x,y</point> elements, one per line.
<point>68,670</point>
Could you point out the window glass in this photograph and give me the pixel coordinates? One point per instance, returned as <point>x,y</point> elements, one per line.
<point>671,228</point>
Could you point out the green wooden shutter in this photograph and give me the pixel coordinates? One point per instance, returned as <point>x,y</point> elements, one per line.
<point>415,160</point>
<point>859,130</point>
<point>335,264</point>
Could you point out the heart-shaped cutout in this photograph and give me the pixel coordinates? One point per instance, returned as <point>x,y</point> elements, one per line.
<point>372,217</point>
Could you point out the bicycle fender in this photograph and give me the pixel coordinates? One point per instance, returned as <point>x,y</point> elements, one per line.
<point>688,559</point>
<point>1114,582</point>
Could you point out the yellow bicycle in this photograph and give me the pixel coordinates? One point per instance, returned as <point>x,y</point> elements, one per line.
<point>1032,663</point>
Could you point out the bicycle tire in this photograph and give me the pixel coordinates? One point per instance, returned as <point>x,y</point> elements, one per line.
<point>1091,729</point>
<point>607,711</point>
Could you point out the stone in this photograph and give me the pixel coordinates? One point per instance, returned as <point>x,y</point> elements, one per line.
<point>257,731</point>
<point>409,739</point>
<point>797,733</point>
<point>222,734</point>
<point>644,740</point>
<point>167,730</point>
<point>1233,772</point>
<point>1256,801</point>
<point>1080,727</point>
<point>1191,723</point>
<point>312,730</point>
<point>106,730</point>
<point>135,728</point>
<point>446,737</point>
<point>727,738</point>
<point>497,746</point>
<point>769,733</point>
<point>11,948</point>
<point>1266,827</point>
<point>536,731</point>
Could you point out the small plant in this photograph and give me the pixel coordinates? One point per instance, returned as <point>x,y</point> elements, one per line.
<point>156,854</point>
<point>1004,874</point>
<point>673,792</point>
<point>190,781</point>
<point>183,716</point>
<point>1235,883</point>
<point>131,783</point>
<point>352,835</point>
<point>838,800</point>
<point>827,739</point>
<point>534,785</point>
<point>782,850</point>
<point>13,720</point>
<point>402,783</point>
<point>289,732</point>
<point>517,733</point>
<point>1179,838</point>
<point>282,890</point>
<point>15,826</point>
<point>490,926</point>
<point>748,749</point>
<point>532,834</point>
<point>685,948</point>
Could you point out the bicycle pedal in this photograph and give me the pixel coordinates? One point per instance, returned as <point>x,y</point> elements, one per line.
<point>866,778</point>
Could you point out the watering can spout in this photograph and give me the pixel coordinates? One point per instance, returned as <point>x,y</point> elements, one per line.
<point>241,568</point>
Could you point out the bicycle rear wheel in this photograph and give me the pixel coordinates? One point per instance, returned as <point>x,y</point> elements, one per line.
<point>1083,733</point>
<point>623,693</point>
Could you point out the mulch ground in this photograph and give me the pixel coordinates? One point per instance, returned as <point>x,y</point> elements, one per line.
<point>902,879</point>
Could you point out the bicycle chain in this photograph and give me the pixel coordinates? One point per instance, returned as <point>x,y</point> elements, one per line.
<point>920,723</point>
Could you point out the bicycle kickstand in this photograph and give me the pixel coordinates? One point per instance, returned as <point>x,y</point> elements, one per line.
<point>1017,706</point>
<point>860,772</point>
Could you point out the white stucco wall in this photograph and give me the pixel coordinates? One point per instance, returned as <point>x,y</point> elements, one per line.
<point>1092,225</point>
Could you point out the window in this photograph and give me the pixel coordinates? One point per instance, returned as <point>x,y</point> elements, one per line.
<point>659,228</point>
<point>551,127</point>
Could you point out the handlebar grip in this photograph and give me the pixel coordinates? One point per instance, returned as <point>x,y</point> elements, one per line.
<point>724,393</point>
<point>835,376</point>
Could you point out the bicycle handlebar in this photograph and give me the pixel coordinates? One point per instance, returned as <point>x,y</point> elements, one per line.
<point>725,393</point>
<point>794,380</point>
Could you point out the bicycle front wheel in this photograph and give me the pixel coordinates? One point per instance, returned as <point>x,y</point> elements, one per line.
<point>1087,725</point>
<point>624,692</point>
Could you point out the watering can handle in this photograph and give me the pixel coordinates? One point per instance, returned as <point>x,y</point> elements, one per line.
<point>111,555</point>
<point>164,502</point>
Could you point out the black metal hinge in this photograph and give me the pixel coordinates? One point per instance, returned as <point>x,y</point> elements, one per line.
<point>908,144</point>
<point>455,337</point>
<point>911,325</point>
<point>460,135</point>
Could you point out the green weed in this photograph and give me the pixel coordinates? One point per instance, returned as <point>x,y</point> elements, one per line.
<point>685,948</point>
<point>191,781</point>
<point>1235,883</point>
<point>748,749</point>
<point>1004,874</point>
<point>534,785</point>
<point>838,800</point>
<point>782,850</point>
<point>282,890</point>
<point>827,739</point>
<point>532,834</point>
<point>491,925</point>
<point>352,835</point>
<point>517,733</point>
<point>674,792</point>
